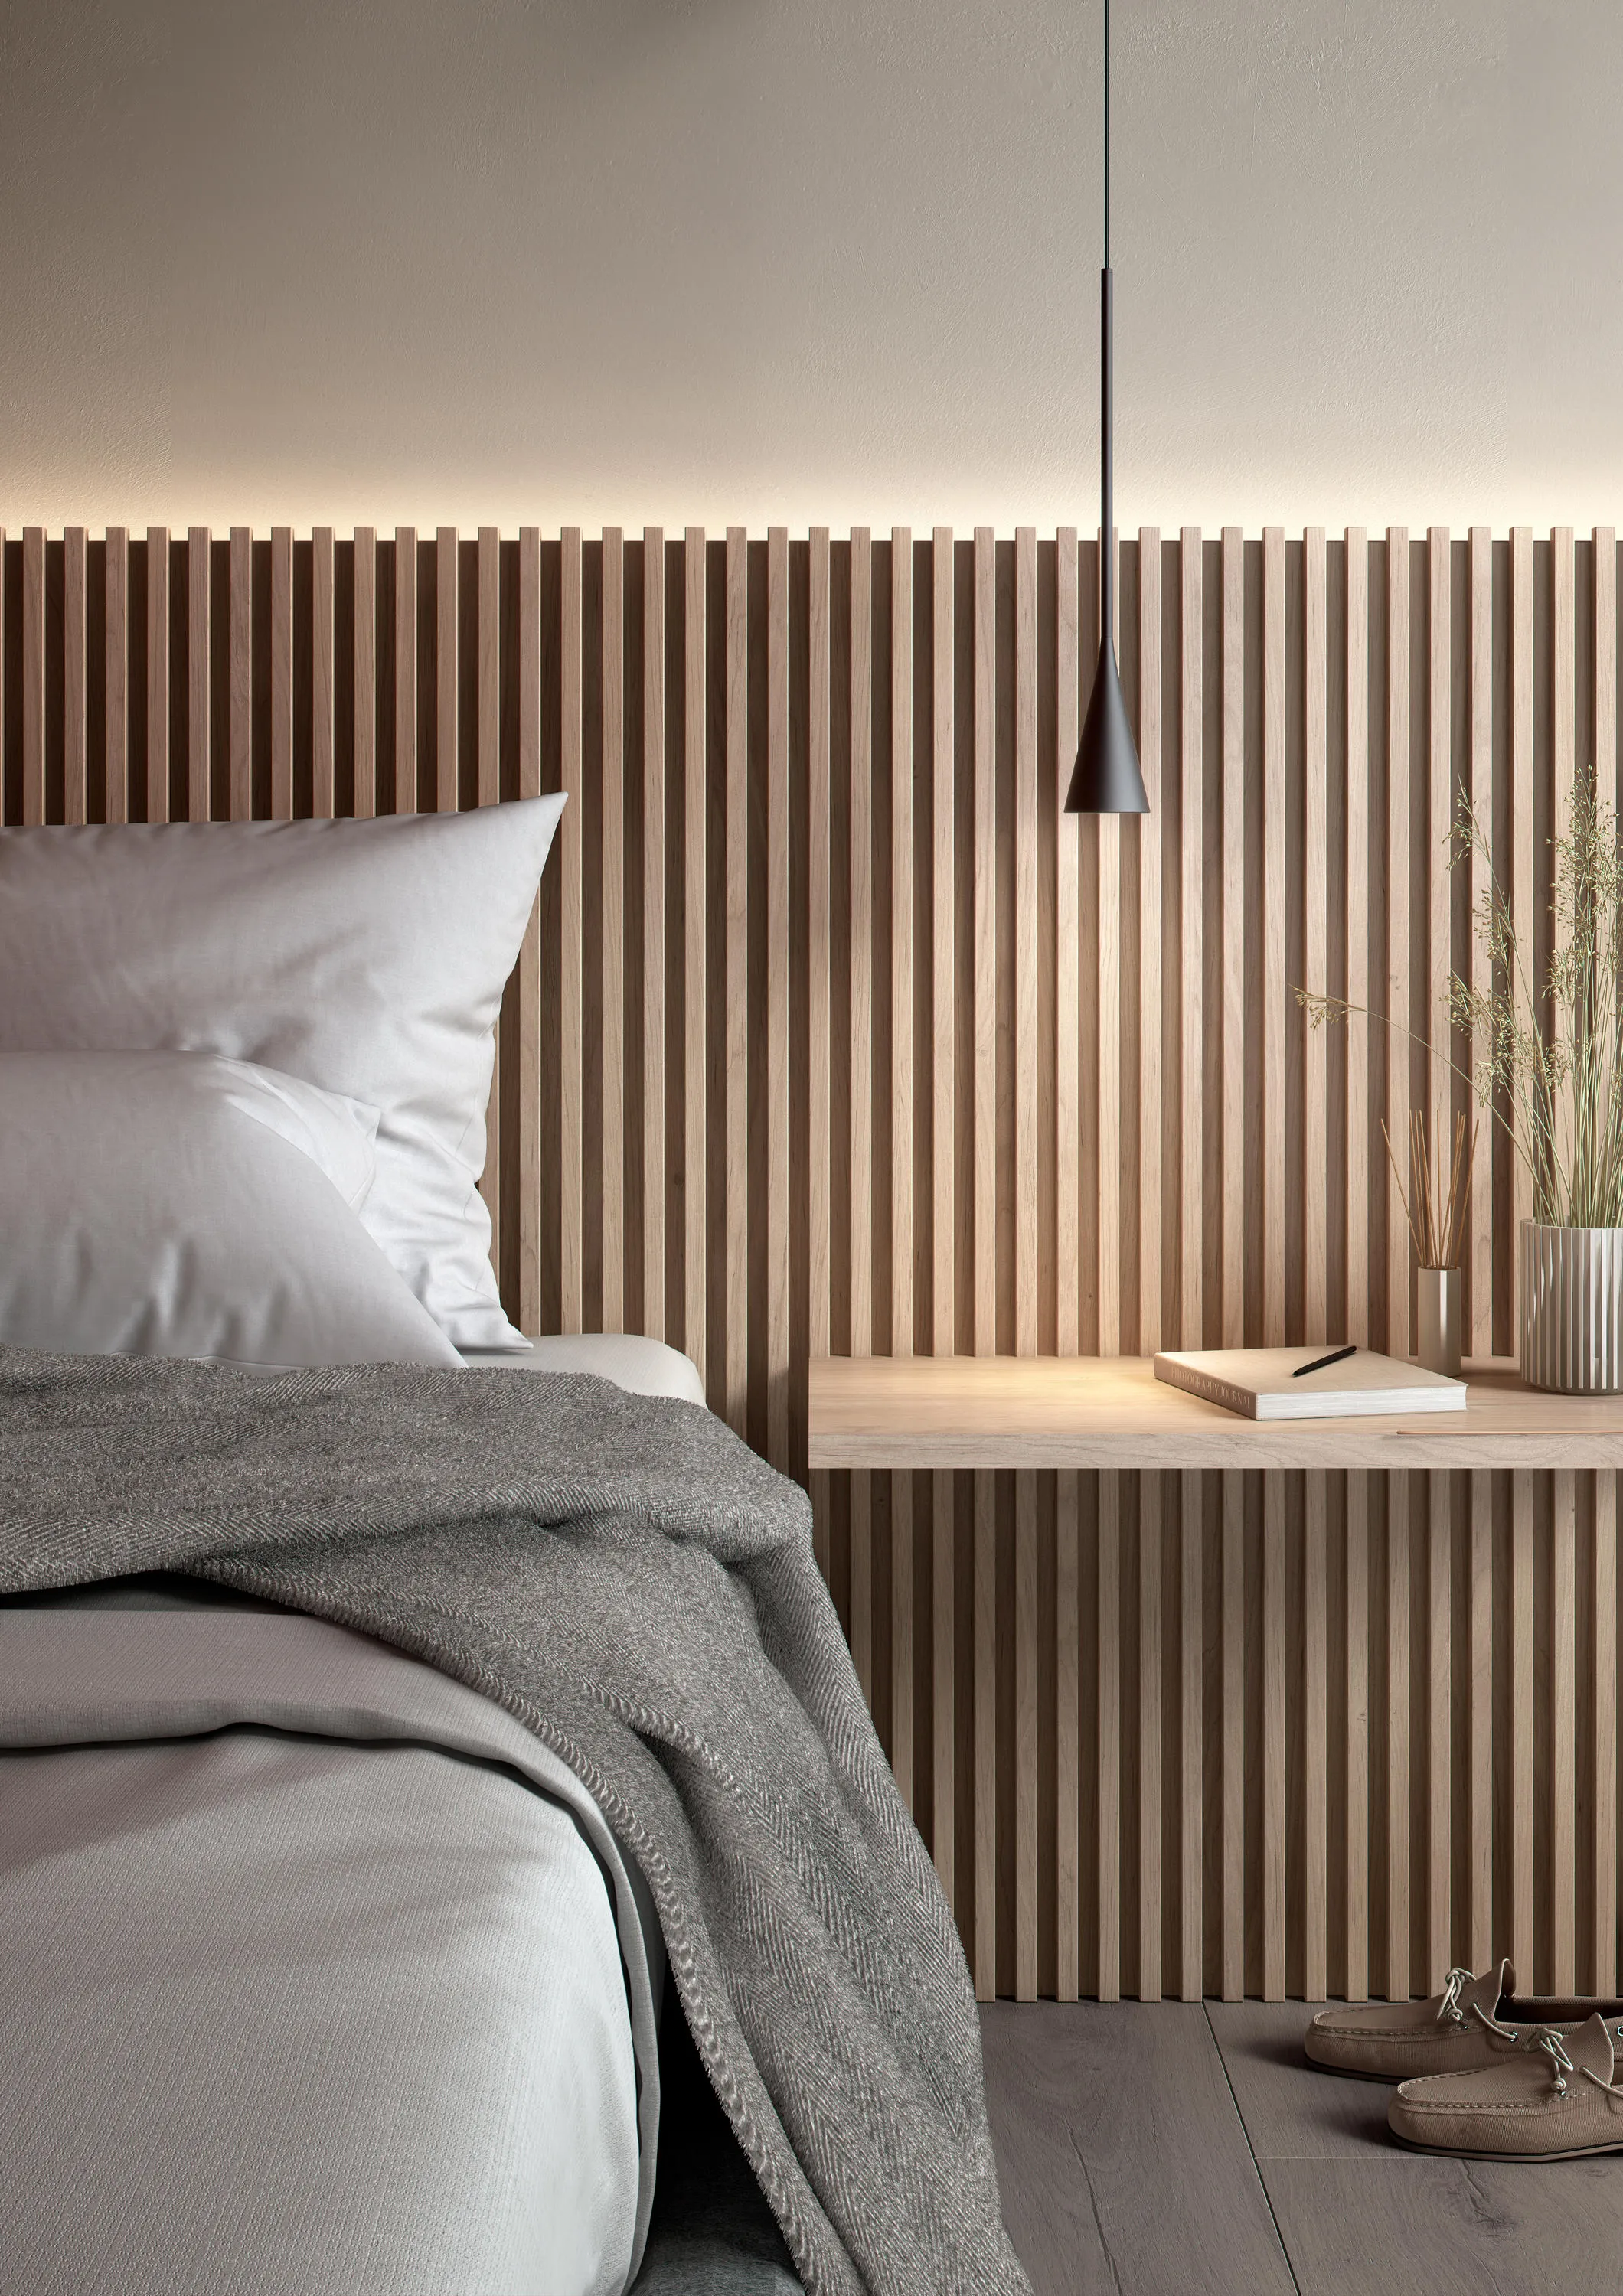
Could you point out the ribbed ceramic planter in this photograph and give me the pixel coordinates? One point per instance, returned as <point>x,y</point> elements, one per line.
<point>1572,1308</point>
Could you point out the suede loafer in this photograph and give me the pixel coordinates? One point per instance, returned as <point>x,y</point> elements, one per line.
<point>1551,2096</point>
<point>1473,2023</point>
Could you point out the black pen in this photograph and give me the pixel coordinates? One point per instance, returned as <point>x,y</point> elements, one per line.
<point>1336,1355</point>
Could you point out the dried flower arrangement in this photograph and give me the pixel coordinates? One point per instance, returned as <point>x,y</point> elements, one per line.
<point>1551,1067</point>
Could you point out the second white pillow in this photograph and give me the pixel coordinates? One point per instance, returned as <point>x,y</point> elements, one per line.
<point>178,1204</point>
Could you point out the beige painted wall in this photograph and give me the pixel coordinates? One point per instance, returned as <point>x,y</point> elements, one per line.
<point>779,259</point>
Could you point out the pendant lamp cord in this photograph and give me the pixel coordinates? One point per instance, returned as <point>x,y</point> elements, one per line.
<point>1107,134</point>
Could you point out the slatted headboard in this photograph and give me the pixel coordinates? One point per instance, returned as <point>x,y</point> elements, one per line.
<point>809,1052</point>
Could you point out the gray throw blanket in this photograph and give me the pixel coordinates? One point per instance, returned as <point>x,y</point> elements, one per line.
<point>637,1588</point>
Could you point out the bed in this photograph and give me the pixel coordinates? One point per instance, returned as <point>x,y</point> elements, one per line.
<point>423,1749</point>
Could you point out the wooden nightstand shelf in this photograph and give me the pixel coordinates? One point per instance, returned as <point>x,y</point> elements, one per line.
<point>1004,1411</point>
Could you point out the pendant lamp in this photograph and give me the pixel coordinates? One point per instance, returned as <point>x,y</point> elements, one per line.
<point>1107,779</point>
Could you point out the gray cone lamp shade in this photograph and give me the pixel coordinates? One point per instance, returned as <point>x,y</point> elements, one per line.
<point>1107,779</point>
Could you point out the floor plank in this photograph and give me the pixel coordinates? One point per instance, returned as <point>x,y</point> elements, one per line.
<point>1291,2111</point>
<point>1417,2227</point>
<point>1124,2163</point>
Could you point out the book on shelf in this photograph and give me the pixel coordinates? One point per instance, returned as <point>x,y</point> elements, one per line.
<point>1262,1382</point>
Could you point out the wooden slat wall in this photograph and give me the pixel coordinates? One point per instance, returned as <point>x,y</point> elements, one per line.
<point>833,1032</point>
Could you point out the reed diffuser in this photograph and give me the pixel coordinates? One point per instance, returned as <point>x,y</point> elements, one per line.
<point>1436,1227</point>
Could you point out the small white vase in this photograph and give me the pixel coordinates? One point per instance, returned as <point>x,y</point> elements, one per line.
<point>1572,1308</point>
<point>1440,1319</point>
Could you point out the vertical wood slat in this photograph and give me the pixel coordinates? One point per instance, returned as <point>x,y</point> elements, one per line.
<point>323,672</point>
<point>1439,1733</point>
<point>76,673</point>
<point>943,861</point>
<point>983,851</point>
<point>1602,1607</point>
<point>1479,798</point>
<point>157,674</point>
<point>1396,1002</point>
<point>405,669</point>
<point>1274,935</point>
<point>1234,933</point>
<point>1026,1737</point>
<point>903,1173</point>
<point>1151,924</point>
<point>487,790</point>
<point>529,1146</point>
<point>1107,1736</point>
<point>655,958</point>
<point>942,1266</point>
<point>281,673</point>
<point>1147,1785</point>
<point>1359,1270</point>
<point>1067,985</point>
<point>1067,1777</point>
<point>1316,1244</point>
<point>1192,1692</point>
<point>1563,679</point>
<point>1270,1657</point>
<point>116,673</point>
<point>1520,1944</point>
<point>1315,1746</point>
<point>1440,799</point>
<point>364,714</point>
<point>241,673</point>
<point>1480,1711</point>
<point>197,727</point>
<point>1397,1751</point>
<point>33,675</point>
<point>857,938</point>
<point>777,1032</point>
<point>983,1717</point>
<point>820,960</point>
<point>735,1176</point>
<point>943,1607</point>
<point>611,1041</point>
<point>1232,1923</point>
<point>1563,1730</point>
<point>1356,1846</point>
<point>446,667</point>
<point>695,910</point>
<point>1191,990</point>
<point>570,867</point>
<point>1522,833</point>
<point>1026,1272</point>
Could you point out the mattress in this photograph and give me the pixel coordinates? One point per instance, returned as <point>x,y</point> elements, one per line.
<point>643,1366</point>
<point>322,1976</point>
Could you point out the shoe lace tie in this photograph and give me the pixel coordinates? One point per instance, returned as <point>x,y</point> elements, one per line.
<point>1548,2039</point>
<point>1449,2011</point>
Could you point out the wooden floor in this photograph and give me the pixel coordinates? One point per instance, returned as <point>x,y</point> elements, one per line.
<point>1173,2150</point>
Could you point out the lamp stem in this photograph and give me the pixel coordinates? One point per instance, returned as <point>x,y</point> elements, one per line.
<point>1107,419</point>
<point>1107,488</point>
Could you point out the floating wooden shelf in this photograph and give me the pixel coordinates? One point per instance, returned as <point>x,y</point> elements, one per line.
<point>1047,1411</point>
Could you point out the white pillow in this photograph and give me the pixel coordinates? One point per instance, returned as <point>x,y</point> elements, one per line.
<point>176,1204</point>
<point>364,956</point>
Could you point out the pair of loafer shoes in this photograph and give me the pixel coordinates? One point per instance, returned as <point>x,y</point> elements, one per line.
<point>1483,2073</point>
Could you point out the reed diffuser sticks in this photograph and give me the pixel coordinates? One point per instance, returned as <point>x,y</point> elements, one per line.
<point>1436,1220</point>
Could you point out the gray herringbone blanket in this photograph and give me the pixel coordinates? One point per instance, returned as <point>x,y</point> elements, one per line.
<point>638,1588</point>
